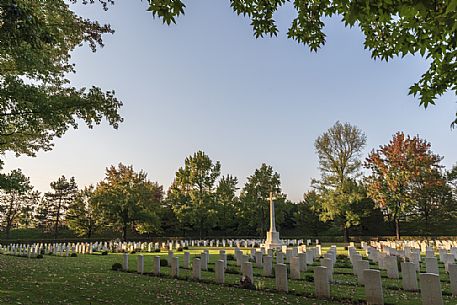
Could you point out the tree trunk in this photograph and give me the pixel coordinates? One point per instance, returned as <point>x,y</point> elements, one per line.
<point>397,228</point>
<point>56,226</point>
<point>8,230</point>
<point>346,233</point>
<point>124,232</point>
<point>426,219</point>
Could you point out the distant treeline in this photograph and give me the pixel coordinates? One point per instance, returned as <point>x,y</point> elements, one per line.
<point>406,190</point>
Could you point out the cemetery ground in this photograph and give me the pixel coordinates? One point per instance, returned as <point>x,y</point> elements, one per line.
<point>88,279</point>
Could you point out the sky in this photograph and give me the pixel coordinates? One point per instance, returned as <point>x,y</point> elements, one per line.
<point>208,84</point>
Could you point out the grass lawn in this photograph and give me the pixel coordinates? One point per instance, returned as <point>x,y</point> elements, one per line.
<point>88,279</point>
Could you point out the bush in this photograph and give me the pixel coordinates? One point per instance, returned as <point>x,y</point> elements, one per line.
<point>245,283</point>
<point>73,255</point>
<point>230,257</point>
<point>156,250</point>
<point>104,253</point>
<point>39,256</point>
<point>163,262</point>
<point>179,249</point>
<point>186,248</point>
<point>116,267</point>
<point>132,252</point>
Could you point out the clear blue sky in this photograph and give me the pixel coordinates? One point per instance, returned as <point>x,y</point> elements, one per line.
<point>207,83</point>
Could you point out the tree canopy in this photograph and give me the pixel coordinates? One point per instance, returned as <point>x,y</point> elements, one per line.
<point>192,193</point>
<point>399,170</point>
<point>339,150</point>
<point>255,196</point>
<point>126,198</point>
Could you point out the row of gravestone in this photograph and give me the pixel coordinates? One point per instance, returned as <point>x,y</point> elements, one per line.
<point>119,246</point>
<point>323,275</point>
<point>410,262</point>
<point>298,262</point>
<point>422,245</point>
<point>61,249</point>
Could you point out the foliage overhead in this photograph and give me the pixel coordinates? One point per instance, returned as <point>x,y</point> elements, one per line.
<point>37,102</point>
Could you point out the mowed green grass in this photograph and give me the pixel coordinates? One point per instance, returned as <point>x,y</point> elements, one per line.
<point>88,279</point>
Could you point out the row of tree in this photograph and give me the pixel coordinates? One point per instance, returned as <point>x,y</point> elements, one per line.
<point>404,185</point>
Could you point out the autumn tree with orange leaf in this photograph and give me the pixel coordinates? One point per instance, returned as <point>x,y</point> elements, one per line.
<point>399,170</point>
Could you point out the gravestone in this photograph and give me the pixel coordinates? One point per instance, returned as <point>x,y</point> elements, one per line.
<point>223,257</point>
<point>321,282</point>
<point>302,259</point>
<point>391,264</point>
<point>452,269</point>
<point>409,276</point>
<point>295,268</point>
<point>267,266</point>
<point>196,269</point>
<point>309,257</point>
<point>281,277</point>
<point>169,257</point>
<point>125,265</point>
<point>204,261</point>
<point>327,262</point>
<point>430,287</point>
<point>431,265</point>
<point>156,265</point>
<point>219,270</point>
<point>373,287</point>
<point>186,260</point>
<point>140,264</point>
<point>279,258</point>
<point>174,267</point>
<point>247,271</point>
<point>258,259</point>
<point>361,265</point>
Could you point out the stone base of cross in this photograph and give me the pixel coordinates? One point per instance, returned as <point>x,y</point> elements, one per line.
<point>273,241</point>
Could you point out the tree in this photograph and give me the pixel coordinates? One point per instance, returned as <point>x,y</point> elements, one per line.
<point>82,216</point>
<point>226,203</point>
<point>37,101</point>
<point>339,150</point>
<point>63,194</point>
<point>192,193</point>
<point>16,188</point>
<point>126,198</point>
<point>43,215</point>
<point>397,173</point>
<point>391,28</point>
<point>307,215</point>
<point>26,218</point>
<point>254,197</point>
